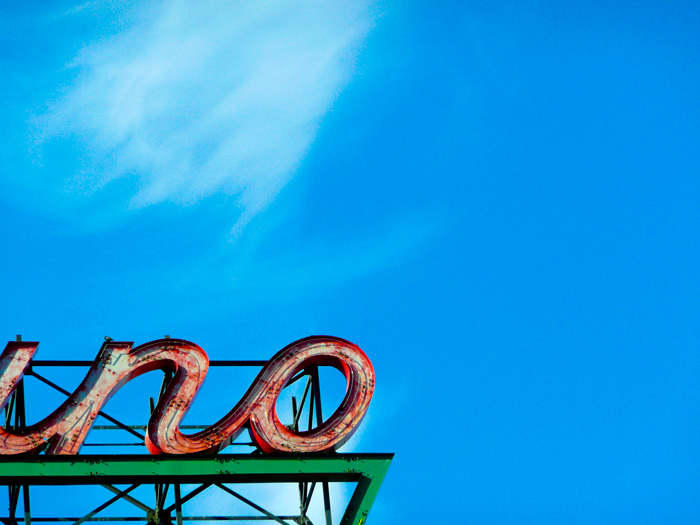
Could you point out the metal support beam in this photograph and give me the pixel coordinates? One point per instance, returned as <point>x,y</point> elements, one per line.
<point>367,470</point>
<point>106,504</point>
<point>13,491</point>
<point>128,498</point>
<point>66,393</point>
<point>257,507</point>
<point>187,498</point>
<point>221,468</point>
<point>178,504</point>
<point>27,513</point>
<point>319,419</point>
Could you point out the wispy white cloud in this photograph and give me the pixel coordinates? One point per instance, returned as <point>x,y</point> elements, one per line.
<point>195,99</point>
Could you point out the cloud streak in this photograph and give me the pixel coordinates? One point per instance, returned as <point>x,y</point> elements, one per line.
<point>200,99</point>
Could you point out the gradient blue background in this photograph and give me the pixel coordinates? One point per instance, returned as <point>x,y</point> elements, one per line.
<point>500,208</point>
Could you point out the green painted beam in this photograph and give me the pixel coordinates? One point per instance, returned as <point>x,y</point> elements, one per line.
<point>222,468</point>
<point>367,470</point>
<point>364,495</point>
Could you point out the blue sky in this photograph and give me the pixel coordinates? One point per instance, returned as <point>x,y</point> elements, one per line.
<point>498,201</point>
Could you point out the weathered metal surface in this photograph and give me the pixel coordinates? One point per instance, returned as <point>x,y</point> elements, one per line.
<point>221,468</point>
<point>65,430</point>
<point>367,470</point>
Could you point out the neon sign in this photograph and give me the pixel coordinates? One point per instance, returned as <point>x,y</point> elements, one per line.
<point>65,429</point>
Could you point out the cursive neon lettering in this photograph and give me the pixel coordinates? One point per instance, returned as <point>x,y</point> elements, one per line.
<point>64,430</point>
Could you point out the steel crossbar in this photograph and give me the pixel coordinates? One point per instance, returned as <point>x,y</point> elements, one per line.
<point>366,470</point>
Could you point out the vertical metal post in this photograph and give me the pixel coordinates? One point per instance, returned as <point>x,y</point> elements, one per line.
<point>12,490</point>
<point>158,488</point>
<point>311,409</point>
<point>161,490</point>
<point>14,499</point>
<point>302,485</point>
<point>20,419</point>
<point>178,504</point>
<point>316,385</point>
<point>21,422</point>
<point>9,410</point>
<point>13,409</point>
<point>295,425</point>
<point>27,515</point>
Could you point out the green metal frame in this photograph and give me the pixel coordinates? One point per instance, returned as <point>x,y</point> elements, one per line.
<point>367,470</point>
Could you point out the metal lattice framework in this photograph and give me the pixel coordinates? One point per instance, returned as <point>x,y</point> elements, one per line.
<point>171,476</point>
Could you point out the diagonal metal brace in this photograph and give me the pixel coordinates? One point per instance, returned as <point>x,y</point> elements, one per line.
<point>105,505</point>
<point>107,417</point>
<point>254,505</point>
<point>128,498</point>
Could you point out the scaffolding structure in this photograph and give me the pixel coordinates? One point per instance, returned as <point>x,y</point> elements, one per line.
<point>177,480</point>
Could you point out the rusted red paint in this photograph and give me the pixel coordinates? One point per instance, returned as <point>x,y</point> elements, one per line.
<point>65,430</point>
